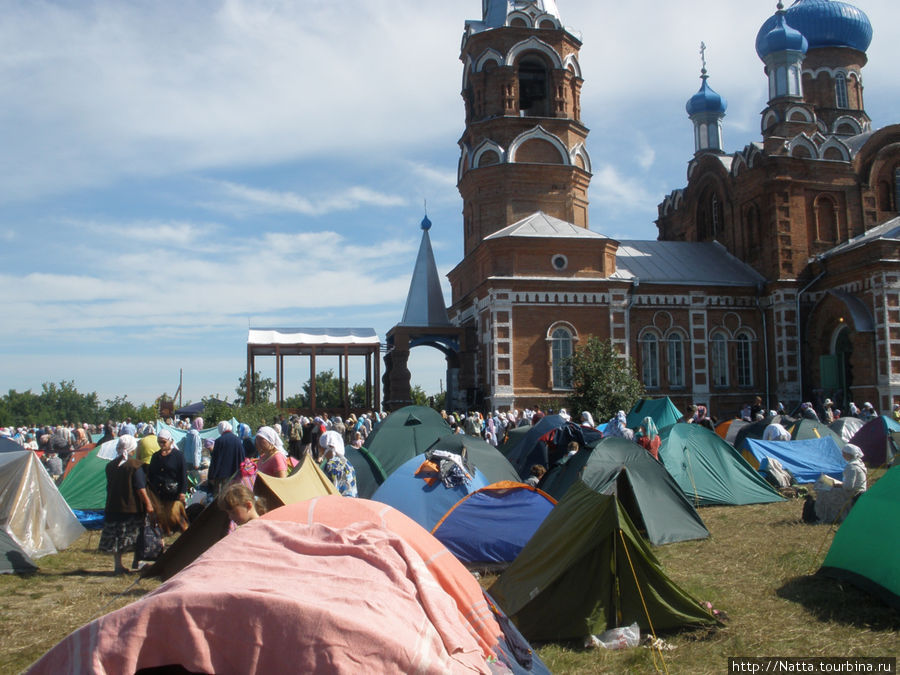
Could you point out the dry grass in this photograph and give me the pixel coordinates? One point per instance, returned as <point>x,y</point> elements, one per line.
<point>756,566</point>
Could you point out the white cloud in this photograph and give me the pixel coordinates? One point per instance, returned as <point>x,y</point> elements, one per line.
<point>262,200</point>
<point>612,189</point>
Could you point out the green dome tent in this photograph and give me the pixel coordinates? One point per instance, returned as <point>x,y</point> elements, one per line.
<point>652,498</point>
<point>662,410</point>
<point>482,454</point>
<point>586,569</point>
<point>403,434</point>
<point>709,470</point>
<point>865,549</point>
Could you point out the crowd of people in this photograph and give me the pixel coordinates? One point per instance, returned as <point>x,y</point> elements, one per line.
<point>151,474</point>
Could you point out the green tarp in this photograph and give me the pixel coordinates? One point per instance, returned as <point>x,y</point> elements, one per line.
<point>662,410</point>
<point>586,569</point>
<point>85,486</point>
<point>709,470</point>
<point>866,548</point>
<point>403,434</point>
<point>654,501</point>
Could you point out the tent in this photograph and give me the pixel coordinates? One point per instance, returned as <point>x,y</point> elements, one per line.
<point>874,439</point>
<point>652,498</point>
<point>180,434</point>
<point>13,560</point>
<point>491,525</point>
<point>757,429</point>
<point>662,410</point>
<point>804,429</point>
<point>369,472</point>
<point>865,548</point>
<point>532,448</point>
<point>709,470</point>
<point>425,504</point>
<point>585,570</point>
<point>728,430</point>
<point>9,445</point>
<point>482,454</point>
<point>513,436</point>
<point>374,586</point>
<point>845,427</point>
<point>32,512</point>
<point>404,434</point>
<point>85,485</point>
<point>806,460</point>
<point>213,523</point>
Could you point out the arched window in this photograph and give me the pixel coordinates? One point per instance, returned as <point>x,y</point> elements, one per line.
<point>719,360</point>
<point>840,91</point>
<point>744,361</point>
<point>676,360</point>
<point>533,98</point>
<point>751,224</point>
<point>561,353</point>
<point>826,220</point>
<point>650,360</point>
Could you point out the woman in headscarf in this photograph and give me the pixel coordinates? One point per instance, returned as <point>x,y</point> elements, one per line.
<point>193,445</point>
<point>148,445</point>
<point>649,438</point>
<point>167,479</point>
<point>587,420</point>
<point>617,427</point>
<point>272,457</point>
<point>337,467</point>
<point>244,433</point>
<point>126,502</point>
<point>832,506</point>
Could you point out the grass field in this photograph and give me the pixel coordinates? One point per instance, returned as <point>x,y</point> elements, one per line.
<point>756,566</point>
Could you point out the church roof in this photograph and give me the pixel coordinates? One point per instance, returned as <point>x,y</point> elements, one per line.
<point>889,229</point>
<point>312,336</point>
<point>539,224</point>
<point>682,262</point>
<point>425,301</point>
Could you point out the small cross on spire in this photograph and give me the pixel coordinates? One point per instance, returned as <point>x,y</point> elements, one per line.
<point>703,57</point>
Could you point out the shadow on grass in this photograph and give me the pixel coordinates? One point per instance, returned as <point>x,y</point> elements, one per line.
<point>831,600</point>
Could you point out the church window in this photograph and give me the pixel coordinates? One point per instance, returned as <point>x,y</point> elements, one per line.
<point>840,91</point>
<point>719,360</point>
<point>650,360</point>
<point>559,261</point>
<point>716,213</point>
<point>518,22</point>
<point>826,220</point>
<point>533,98</point>
<point>744,361</point>
<point>752,229</point>
<point>897,189</point>
<point>561,355</point>
<point>676,360</point>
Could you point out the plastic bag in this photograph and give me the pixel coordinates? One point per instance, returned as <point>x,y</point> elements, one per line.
<point>621,638</point>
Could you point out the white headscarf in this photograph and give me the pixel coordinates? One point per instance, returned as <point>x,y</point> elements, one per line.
<point>224,427</point>
<point>852,451</point>
<point>165,433</point>
<point>587,419</point>
<point>269,434</point>
<point>125,446</point>
<point>331,440</point>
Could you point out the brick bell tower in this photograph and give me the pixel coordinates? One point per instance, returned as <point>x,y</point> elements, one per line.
<point>523,148</point>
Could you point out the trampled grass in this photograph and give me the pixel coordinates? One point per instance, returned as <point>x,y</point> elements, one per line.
<point>757,566</point>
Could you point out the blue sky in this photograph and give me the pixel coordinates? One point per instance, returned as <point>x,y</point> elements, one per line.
<point>174,172</point>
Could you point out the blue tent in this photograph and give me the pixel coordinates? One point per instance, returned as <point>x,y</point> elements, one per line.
<point>426,504</point>
<point>807,460</point>
<point>491,525</point>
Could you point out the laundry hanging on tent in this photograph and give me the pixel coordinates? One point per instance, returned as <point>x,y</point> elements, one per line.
<point>447,467</point>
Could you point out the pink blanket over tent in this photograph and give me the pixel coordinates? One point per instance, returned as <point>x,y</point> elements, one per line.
<point>285,597</point>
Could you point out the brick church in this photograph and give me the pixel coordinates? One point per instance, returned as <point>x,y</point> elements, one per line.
<point>777,268</point>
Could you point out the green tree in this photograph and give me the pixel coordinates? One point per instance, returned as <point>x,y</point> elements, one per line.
<point>603,382</point>
<point>262,389</point>
<point>419,397</point>
<point>119,408</point>
<point>328,391</point>
<point>358,395</point>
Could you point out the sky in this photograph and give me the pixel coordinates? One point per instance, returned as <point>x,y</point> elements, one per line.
<point>172,173</point>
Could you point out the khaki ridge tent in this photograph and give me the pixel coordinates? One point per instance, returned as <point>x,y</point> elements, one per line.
<point>587,569</point>
<point>32,511</point>
<point>866,548</point>
<point>212,524</point>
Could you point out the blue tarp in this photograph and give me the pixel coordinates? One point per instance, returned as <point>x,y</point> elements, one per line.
<point>426,504</point>
<point>494,523</point>
<point>806,460</point>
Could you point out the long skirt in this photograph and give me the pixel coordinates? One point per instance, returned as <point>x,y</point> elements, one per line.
<point>170,515</point>
<point>120,531</point>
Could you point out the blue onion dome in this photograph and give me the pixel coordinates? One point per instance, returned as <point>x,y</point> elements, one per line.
<point>706,100</point>
<point>776,35</point>
<point>426,224</point>
<point>830,23</point>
